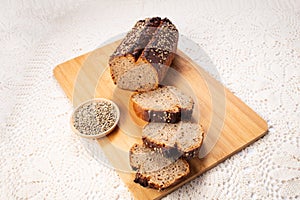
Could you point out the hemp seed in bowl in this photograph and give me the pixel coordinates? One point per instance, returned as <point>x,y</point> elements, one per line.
<point>95,118</point>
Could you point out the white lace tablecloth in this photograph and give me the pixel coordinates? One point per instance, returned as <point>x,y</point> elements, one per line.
<point>255,46</point>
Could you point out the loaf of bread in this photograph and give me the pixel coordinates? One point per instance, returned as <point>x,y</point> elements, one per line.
<point>165,104</point>
<point>183,139</point>
<point>143,57</point>
<point>155,170</point>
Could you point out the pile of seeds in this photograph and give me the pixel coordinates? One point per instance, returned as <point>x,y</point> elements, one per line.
<point>94,117</point>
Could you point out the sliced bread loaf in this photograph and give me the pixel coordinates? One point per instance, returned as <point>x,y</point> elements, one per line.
<point>142,59</point>
<point>155,170</point>
<point>183,139</point>
<point>165,104</point>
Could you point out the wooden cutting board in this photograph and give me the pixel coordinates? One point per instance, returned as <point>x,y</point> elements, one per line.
<point>230,125</point>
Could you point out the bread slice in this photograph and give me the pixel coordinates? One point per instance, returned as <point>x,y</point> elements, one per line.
<point>165,104</point>
<point>155,170</point>
<point>183,139</point>
<point>142,59</point>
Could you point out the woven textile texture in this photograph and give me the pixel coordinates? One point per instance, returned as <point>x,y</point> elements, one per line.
<point>254,45</point>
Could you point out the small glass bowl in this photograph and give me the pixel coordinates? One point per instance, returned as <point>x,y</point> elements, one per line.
<point>101,134</point>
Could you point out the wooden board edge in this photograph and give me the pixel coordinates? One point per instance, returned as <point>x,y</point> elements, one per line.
<point>194,176</point>
<point>226,90</point>
<point>263,124</point>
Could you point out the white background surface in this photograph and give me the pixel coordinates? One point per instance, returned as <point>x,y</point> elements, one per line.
<point>255,46</point>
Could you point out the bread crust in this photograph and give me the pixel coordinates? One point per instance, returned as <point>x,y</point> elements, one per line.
<point>168,116</point>
<point>144,180</point>
<point>135,47</point>
<point>174,151</point>
<point>161,52</point>
<point>155,44</point>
